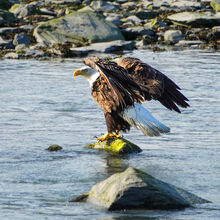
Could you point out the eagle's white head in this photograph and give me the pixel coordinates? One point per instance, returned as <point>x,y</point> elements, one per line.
<point>90,74</point>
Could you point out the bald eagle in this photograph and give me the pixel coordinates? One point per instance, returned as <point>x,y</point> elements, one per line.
<point>120,88</point>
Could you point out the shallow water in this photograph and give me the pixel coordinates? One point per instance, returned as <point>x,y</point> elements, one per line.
<point>41,104</point>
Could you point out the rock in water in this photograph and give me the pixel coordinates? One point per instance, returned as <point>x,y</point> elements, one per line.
<point>54,147</point>
<point>134,189</point>
<point>77,27</point>
<point>116,146</point>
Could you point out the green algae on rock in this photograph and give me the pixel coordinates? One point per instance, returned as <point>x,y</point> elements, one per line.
<point>115,146</point>
<point>135,189</point>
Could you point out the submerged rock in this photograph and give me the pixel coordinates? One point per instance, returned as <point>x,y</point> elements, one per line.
<point>134,189</point>
<point>116,146</point>
<point>54,147</point>
<point>77,27</point>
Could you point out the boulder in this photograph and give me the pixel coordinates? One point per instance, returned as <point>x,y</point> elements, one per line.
<point>77,27</point>
<point>116,146</point>
<point>195,19</point>
<point>6,18</point>
<point>21,39</point>
<point>173,36</point>
<point>134,189</point>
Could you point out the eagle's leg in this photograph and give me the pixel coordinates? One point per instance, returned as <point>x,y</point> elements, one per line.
<point>116,134</point>
<point>109,136</point>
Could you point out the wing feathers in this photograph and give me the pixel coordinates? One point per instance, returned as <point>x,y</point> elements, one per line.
<point>158,85</point>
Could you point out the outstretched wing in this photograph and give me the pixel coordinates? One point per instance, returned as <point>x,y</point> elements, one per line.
<point>114,90</point>
<point>158,85</point>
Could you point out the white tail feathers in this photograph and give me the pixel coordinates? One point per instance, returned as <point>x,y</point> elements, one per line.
<point>140,118</point>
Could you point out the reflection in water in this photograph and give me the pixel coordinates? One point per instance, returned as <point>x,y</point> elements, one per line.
<point>115,164</point>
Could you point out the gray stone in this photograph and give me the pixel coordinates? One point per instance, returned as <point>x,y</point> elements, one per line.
<point>141,43</point>
<point>104,6</point>
<point>133,19</point>
<point>20,47</point>
<point>214,34</point>
<point>105,47</point>
<point>134,189</point>
<point>146,14</point>
<point>128,6</point>
<point>196,19</point>
<point>173,36</point>
<point>21,39</point>
<point>187,5</point>
<point>157,23</point>
<point>5,44</point>
<point>25,10</point>
<point>186,43</point>
<point>45,11</point>
<point>63,2</point>
<point>12,55</point>
<point>8,30</point>
<point>113,18</point>
<point>77,27</point>
<point>6,18</point>
<point>132,33</point>
<point>27,27</point>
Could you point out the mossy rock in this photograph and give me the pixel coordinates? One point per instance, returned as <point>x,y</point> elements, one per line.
<point>215,5</point>
<point>14,8</point>
<point>115,146</point>
<point>54,147</point>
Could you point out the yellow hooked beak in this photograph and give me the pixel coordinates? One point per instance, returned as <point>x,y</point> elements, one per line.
<point>77,73</point>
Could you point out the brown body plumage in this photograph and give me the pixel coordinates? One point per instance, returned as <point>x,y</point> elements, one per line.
<point>119,86</point>
<point>114,90</point>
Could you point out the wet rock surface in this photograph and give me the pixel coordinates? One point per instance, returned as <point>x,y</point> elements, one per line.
<point>62,25</point>
<point>134,189</point>
<point>116,146</point>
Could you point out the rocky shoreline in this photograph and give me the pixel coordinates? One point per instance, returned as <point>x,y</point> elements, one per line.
<point>70,28</point>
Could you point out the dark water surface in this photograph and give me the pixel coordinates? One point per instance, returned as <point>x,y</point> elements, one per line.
<point>41,104</point>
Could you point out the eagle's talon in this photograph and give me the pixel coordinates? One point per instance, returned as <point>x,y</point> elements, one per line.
<point>108,136</point>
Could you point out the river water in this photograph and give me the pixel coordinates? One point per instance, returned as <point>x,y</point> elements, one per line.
<point>41,104</point>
